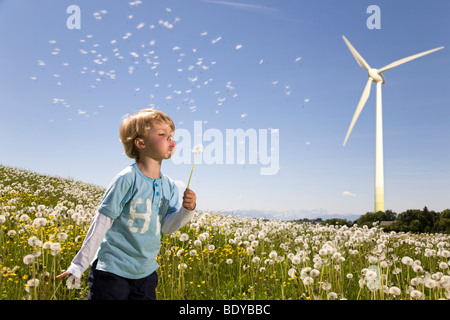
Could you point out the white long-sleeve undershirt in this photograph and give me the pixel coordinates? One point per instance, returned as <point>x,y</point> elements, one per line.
<point>100,225</point>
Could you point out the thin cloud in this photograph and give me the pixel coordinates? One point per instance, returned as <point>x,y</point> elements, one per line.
<point>348,194</point>
<point>243,6</point>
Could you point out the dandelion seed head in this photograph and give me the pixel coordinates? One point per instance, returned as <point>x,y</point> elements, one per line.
<point>28,259</point>
<point>198,148</point>
<point>407,261</point>
<point>34,242</point>
<point>73,282</point>
<point>183,237</point>
<point>416,294</point>
<point>307,281</point>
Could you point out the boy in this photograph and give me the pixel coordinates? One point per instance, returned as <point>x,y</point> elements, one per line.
<point>139,204</point>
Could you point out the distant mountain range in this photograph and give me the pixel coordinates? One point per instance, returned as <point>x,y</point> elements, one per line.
<point>291,214</point>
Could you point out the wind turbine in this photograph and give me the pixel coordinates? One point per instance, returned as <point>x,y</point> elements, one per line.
<point>375,75</point>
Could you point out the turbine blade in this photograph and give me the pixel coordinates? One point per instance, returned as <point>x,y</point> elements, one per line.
<point>404,60</point>
<point>362,102</point>
<point>357,56</point>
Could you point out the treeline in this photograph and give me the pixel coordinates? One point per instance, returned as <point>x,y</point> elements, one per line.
<point>413,220</point>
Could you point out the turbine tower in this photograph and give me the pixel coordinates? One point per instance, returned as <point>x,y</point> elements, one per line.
<point>375,75</point>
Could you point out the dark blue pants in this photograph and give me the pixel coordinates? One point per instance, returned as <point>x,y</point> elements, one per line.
<point>108,286</point>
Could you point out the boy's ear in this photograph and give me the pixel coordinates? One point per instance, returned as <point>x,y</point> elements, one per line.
<point>139,143</point>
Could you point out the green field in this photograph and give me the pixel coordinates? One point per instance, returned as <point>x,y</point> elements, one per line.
<point>44,220</point>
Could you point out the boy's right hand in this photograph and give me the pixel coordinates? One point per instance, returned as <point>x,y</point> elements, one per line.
<point>189,200</point>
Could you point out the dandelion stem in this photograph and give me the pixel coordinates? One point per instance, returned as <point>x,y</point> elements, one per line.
<point>192,170</point>
<point>53,297</point>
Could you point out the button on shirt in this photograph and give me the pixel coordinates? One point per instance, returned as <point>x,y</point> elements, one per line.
<point>137,203</point>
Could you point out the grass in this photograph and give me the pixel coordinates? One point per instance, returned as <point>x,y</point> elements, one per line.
<point>44,219</point>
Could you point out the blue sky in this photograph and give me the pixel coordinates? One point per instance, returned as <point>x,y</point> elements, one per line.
<point>235,64</point>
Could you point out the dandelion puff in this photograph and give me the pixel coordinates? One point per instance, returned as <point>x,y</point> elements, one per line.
<point>28,259</point>
<point>332,296</point>
<point>62,236</point>
<point>182,266</point>
<point>292,272</point>
<point>430,283</point>
<point>416,294</point>
<point>24,217</point>
<point>415,281</point>
<point>73,282</point>
<point>326,286</point>
<point>55,248</point>
<point>273,255</point>
<point>229,261</point>
<point>33,283</point>
<point>39,222</point>
<point>183,237</point>
<point>198,148</point>
<point>314,273</point>
<point>417,268</point>
<point>407,261</point>
<point>47,245</point>
<point>395,291</point>
<point>180,253</point>
<point>307,281</point>
<point>34,242</point>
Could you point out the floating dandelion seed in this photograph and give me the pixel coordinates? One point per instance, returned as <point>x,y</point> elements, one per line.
<point>197,149</point>
<point>214,41</point>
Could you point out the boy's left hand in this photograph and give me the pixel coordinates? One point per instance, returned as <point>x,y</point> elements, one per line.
<point>189,200</point>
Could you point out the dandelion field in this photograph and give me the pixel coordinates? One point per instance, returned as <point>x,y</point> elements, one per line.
<point>43,221</point>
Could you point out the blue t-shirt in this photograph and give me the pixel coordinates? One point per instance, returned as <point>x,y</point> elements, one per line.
<point>137,203</point>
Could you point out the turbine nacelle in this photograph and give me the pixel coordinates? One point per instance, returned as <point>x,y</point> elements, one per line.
<point>376,76</point>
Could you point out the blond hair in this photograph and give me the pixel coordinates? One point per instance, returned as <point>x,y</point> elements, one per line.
<point>136,126</point>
